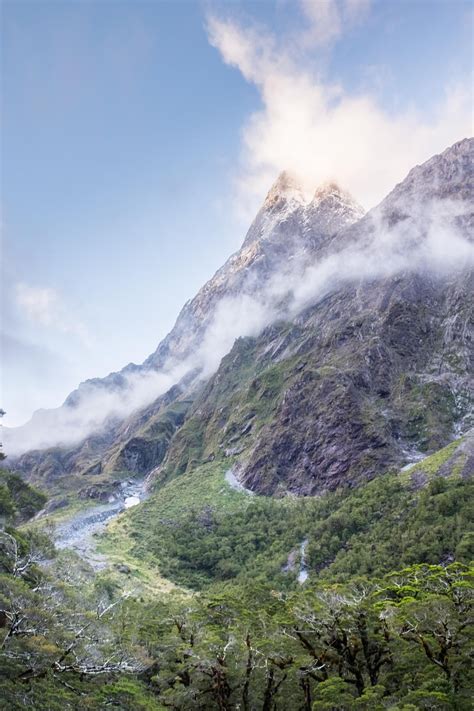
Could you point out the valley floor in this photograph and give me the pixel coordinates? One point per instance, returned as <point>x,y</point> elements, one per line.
<point>206,597</point>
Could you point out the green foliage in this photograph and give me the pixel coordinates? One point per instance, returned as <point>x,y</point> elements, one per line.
<point>207,545</point>
<point>384,524</point>
<point>333,647</point>
<point>401,642</point>
<point>7,505</point>
<point>126,693</point>
<point>230,409</point>
<point>333,695</point>
<point>199,531</point>
<point>18,499</point>
<point>383,622</point>
<point>432,464</point>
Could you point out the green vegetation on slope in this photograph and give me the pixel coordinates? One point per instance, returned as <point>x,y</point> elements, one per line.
<point>148,445</point>
<point>59,623</point>
<point>199,531</point>
<point>304,415</point>
<point>18,500</point>
<point>231,409</point>
<point>399,643</point>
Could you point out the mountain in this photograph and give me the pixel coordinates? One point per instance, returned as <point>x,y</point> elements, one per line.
<point>288,228</point>
<point>357,349</point>
<point>375,374</point>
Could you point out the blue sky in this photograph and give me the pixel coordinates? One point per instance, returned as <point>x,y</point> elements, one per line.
<point>139,137</point>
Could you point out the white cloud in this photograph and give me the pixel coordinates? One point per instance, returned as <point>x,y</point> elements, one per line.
<point>44,306</point>
<point>327,19</point>
<point>38,303</point>
<point>93,407</point>
<point>318,130</point>
<point>325,22</point>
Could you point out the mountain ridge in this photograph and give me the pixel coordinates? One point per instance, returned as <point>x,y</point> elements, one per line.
<point>243,272</point>
<point>407,307</point>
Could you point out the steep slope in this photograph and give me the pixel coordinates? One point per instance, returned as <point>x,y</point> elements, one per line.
<point>288,229</point>
<point>377,373</point>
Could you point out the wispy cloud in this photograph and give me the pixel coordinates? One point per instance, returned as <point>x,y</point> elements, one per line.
<point>429,240</point>
<point>38,303</point>
<point>44,306</point>
<point>314,127</point>
<point>327,19</point>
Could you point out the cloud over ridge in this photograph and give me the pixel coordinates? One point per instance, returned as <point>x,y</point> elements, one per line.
<point>429,240</point>
<point>315,128</point>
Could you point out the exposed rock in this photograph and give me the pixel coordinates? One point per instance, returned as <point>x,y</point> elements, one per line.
<point>53,505</point>
<point>123,568</point>
<point>104,492</point>
<point>292,561</point>
<point>94,469</point>
<point>233,451</point>
<point>285,228</point>
<point>371,372</point>
<point>120,448</point>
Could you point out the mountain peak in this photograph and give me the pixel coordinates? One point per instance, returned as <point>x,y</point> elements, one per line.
<point>327,211</point>
<point>331,189</point>
<point>327,188</point>
<point>287,187</point>
<point>329,198</point>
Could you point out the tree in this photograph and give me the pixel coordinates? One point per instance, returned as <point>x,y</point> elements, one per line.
<point>431,607</point>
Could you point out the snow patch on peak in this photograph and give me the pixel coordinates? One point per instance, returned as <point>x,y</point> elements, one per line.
<point>332,193</point>
<point>333,208</point>
<point>291,209</point>
<point>287,188</point>
<point>329,189</point>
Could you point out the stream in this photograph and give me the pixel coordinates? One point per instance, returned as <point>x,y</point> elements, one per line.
<point>79,531</point>
<point>303,571</point>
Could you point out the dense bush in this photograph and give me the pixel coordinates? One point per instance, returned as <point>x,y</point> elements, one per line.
<point>18,499</point>
<point>356,635</point>
<point>367,531</point>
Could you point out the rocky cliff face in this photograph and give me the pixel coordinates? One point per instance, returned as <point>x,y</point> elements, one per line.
<point>367,379</point>
<point>377,373</point>
<point>368,362</point>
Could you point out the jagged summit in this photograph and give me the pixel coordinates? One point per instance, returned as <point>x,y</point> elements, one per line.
<point>331,190</point>
<point>290,207</point>
<point>329,187</point>
<point>331,194</point>
<point>333,208</point>
<point>287,187</point>
<point>330,206</point>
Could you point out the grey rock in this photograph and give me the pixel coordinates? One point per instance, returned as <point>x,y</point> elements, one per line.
<point>123,568</point>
